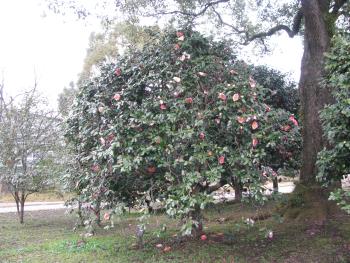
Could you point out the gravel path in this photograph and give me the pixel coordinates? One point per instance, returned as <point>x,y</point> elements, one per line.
<point>31,206</point>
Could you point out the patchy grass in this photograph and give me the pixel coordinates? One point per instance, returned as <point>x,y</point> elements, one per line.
<point>47,236</point>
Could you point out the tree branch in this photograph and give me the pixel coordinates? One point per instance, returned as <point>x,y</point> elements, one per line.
<point>226,24</point>
<point>291,32</point>
<point>205,8</point>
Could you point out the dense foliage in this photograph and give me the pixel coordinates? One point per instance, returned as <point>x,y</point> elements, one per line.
<point>171,121</point>
<point>285,93</point>
<point>334,161</point>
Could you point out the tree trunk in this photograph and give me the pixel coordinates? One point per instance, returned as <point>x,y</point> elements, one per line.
<point>313,95</point>
<point>98,213</point>
<point>275,184</point>
<point>80,213</point>
<point>21,216</point>
<point>15,195</point>
<point>197,216</point>
<point>309,201</point>
<point>238,191</point>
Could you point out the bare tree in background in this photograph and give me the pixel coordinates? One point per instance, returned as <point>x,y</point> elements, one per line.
<point>28,134</point>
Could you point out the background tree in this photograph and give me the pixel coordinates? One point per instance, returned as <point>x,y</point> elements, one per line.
<point>66,99</point>
<point>28,134</point>
<point>104,46</point>
<point>285,93</point>
<point>333,161</point>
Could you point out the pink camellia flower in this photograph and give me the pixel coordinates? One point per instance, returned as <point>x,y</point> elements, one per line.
<point>235,97</point>
<point>240,119</point>
<point>204,237</point>
<point>179,34</point>
<point>252,82</point>
<point>151,169</point>
<point>106,216</point>
<point>189,100</point>
<point>221,159</point>
<point>182,38</point>
<point>255,125</point>
<point>176,46</point>
<point>162,106</point>
<point>118,72</point>
<point>110,137</point>
<point>286,128</point>
<point>222,96</point>
<point>217,120</point>
<point>176,94</point>
<point>255,142</point>
<point>117,97</point>
<point>95,168</point>
<point>292,119</point>
<point>202,136</point>
<point>167,249</point>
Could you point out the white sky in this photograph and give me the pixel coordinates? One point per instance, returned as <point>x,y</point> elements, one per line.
<point>47,47</point>
<point>54,49</point>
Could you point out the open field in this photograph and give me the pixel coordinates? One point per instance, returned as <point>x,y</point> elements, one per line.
<point>47,236</point>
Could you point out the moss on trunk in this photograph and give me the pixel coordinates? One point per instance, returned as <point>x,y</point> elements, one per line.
<point>308,203</point>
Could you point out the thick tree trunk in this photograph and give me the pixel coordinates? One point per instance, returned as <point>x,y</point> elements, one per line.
<point>313,95</point>
<point>309,200</point>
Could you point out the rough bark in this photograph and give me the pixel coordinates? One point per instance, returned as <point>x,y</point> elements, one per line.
<point>313,96</point>
<point>309,200</point>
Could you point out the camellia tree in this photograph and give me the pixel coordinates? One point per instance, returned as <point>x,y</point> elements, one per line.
<point>175,121</point>
<point>315,21</point>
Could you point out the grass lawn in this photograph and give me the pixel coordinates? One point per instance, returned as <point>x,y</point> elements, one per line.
<point>47,236</point>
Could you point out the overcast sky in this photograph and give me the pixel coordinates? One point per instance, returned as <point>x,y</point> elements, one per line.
<point>32,44</point>
<point>52,48</point>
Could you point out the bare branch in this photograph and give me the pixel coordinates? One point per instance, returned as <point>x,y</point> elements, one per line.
<point>226,24</point>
